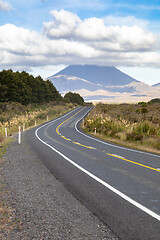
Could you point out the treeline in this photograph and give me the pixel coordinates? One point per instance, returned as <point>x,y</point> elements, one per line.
<point>26,89</point>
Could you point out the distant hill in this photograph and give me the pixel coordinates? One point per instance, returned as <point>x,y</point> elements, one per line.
<point>100,83</point>
<point>156,85</point>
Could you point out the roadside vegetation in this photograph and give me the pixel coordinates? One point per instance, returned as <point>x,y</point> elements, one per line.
<point>13,115</point>
<point>133,125</point>
<point>27,101</point>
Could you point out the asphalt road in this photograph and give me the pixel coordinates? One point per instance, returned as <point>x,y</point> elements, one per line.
<point>120,185</point>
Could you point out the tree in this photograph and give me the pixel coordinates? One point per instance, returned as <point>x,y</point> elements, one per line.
<point>74,98</point>
<point>25,89</point>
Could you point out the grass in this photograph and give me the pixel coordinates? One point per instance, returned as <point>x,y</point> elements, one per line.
<point>132,125</point>
<point>13,115</point>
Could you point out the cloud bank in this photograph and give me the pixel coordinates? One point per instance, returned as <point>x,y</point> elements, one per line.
<point>67,39</point>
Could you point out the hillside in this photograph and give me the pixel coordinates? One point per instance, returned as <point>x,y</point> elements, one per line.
<point>100,83</point>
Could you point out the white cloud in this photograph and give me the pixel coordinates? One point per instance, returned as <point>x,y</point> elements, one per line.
<point>67,25</point>
<point>5,6</point>
<point>63,24</point>
<point>124,21</point>
<point>67,39</point>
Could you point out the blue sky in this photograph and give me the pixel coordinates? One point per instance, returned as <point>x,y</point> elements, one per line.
<point>44,36</point>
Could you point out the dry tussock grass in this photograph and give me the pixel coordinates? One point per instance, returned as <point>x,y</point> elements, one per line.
<point>135,125</point>
<point>13,115</point>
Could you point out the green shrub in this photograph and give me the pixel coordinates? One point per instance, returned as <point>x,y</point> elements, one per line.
<point>145,128</point>
<point>134,137</point>
<point>144,104</point>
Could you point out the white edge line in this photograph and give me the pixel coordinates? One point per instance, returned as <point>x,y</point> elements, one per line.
<point>109,144</point>
<point>138,205</point>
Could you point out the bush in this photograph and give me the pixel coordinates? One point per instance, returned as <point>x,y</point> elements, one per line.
<point>146,129</point>
<point>142,110</point>
<point>144,104</point>
<point>134,137</point>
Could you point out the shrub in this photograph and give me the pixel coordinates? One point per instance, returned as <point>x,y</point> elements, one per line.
<point>134,137</point>
<point>144,104</point>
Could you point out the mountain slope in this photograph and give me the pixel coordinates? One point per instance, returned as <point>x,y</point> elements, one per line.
<point>156,85</point>
<point>107,76</point>
<point>97,83</point>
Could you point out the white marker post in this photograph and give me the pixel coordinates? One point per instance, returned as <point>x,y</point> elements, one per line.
<point>35,124</point>
<point>23,127</point>
<point>47,118</point>
<point>95,131</point>
<point>6,132</point>
<point>19,135</point>
<point>83,122</point>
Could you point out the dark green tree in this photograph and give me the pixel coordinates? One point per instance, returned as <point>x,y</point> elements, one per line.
<point>74,98</point>
<point>25,89</point>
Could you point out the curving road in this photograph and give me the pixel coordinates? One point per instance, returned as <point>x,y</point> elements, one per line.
<point>120,185</point>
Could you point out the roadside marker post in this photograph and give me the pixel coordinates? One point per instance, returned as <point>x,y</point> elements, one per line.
<point>83,123</point>
<point>19,135</point>
<point>35,124</point>
<point>23,127</point>
<point>47,118</point>
<point>95,131</point>
<point>6,132</point>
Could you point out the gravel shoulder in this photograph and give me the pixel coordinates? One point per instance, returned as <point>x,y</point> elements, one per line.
<point>41,206</point>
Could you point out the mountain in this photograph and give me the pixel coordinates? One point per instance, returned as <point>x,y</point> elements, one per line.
<point>109,76</point>
<point>156,85</point>
<point>101,83</point>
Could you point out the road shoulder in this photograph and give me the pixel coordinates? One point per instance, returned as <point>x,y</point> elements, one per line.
<point>42,207</point>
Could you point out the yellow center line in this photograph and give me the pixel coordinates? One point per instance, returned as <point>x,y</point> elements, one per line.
<point>113,155</point>
<point>82,145</point>
<point>65,138</point>
<point>139,164</point>
<point>57,130</point>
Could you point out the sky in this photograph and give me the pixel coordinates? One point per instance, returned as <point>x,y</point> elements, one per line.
<point>44,36</point>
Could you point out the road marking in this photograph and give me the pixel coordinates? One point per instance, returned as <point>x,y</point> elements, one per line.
<point>122,195</point>
<point>118,156</point>
<point>65,138</point>
<point>109,144</point>
<point>113,155</point>
<point>139,164</point>
<point>83,145</point>
<point>57,131</point>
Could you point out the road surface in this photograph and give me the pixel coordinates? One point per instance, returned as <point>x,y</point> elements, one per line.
<point>120,185</point>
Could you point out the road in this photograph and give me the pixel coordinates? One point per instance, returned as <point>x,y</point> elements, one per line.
<point>120,185</point>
